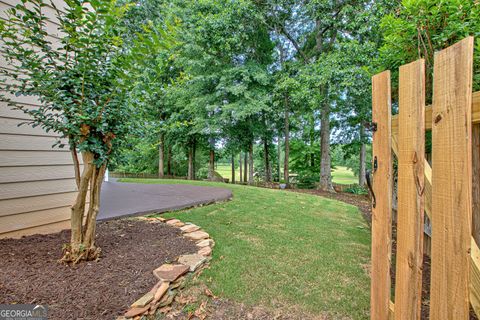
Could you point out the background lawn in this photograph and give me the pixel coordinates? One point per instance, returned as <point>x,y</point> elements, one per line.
<point>285,250</point>
<point>343,175</point>
<point>225,171</point>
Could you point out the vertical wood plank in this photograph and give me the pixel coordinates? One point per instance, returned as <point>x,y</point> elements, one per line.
<point>451,181</point>
<point>476,182</point>
<point>382,187</point>
<point>411,158</point>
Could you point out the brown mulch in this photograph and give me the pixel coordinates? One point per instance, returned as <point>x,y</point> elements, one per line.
<point>131,249</point>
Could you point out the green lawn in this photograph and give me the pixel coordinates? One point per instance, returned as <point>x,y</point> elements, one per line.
<point>225,171</point>
<point>285,251</point>
<point>343,175</point>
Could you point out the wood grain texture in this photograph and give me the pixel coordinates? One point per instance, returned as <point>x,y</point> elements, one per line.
<point>474,258</point>
<point>476,182</point>
<point>411,157</point>
<point>382,187</point>
<point>451,181</point>
<point>475,277</point>
<point>428,114</point>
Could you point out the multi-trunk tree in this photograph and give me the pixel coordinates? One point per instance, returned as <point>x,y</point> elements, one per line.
<point>82,83</point>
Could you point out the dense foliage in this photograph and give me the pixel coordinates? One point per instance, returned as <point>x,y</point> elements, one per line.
<point>276,88</point>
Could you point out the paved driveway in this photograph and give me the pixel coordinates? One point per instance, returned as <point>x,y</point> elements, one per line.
<point>125,199</point>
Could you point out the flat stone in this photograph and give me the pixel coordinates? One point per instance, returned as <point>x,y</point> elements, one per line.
<point>179,224</point>
<point>167,299</point>
<point>205,251</point>
<point>172,221</point>
<point>143,301</point>
<point>197,235</point>
<point>160,291</point>
<point>189,228</point>
<point>133,312</point>
<point>193,261</point>
<point>205,243</point>
<point>170,272</point>
<point>177,284</point>
<point>161,219</point>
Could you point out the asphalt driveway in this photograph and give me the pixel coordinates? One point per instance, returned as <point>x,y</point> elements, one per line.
<point>128,199</point>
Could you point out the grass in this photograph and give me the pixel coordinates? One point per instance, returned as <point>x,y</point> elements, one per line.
<point>343,175</point>
<point>225,171</point>
<point>285,250</point>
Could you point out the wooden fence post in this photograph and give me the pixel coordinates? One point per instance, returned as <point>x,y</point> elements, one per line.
<point>411,158</point>
<point>451,181</point>
<point>382,188</point>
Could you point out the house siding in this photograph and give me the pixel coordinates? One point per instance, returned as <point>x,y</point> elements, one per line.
<point>37,183</point>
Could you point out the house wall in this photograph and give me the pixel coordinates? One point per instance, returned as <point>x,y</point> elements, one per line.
<point>37,184</point>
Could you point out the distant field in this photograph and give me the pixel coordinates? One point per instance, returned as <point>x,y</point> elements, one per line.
<point>340,175</point>
<point>343,175</point>
<point>225,171</point>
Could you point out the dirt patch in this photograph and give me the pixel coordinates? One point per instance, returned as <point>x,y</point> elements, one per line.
<point>131,249</point>
<point>196,301</point>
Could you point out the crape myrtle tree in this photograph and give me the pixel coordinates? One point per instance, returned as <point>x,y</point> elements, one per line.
<point>82,83</point>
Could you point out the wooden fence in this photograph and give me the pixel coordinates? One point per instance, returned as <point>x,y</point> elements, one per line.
<point>446,191</point>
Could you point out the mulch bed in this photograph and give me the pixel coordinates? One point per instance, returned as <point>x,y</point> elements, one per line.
<point>131,249</point>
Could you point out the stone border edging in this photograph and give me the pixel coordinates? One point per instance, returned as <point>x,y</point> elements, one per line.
<point>172,276</point>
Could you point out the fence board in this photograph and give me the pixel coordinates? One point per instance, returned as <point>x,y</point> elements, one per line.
<point>476,182</point>
<point>411,157</point>
<point>451,181</point>
<point>428,114</point>
<point>382,187</point>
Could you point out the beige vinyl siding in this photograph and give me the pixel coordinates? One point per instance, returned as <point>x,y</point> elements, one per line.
<point>40,229</point>
<point>37,183</point>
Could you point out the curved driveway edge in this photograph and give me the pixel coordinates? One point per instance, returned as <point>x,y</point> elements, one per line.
<point>120,199</point>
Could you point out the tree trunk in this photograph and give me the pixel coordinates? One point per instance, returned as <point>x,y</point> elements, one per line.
<point>211,165</point>
<point>82,241</point>
<point>161,156</point>
<point>194,153</point>
<point>266,158</point>
<point>250,167</point>
<point>325,165</point>
<point>287,143</point>
<point>240,168</point>
<point>190,162</point>
<point>363,154</point>
<point>245,167</point>
<point>169,161</point>
<point>233,168</point>
<point>279,151</point>
<point>94,209</point>
<point>312,141</point>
